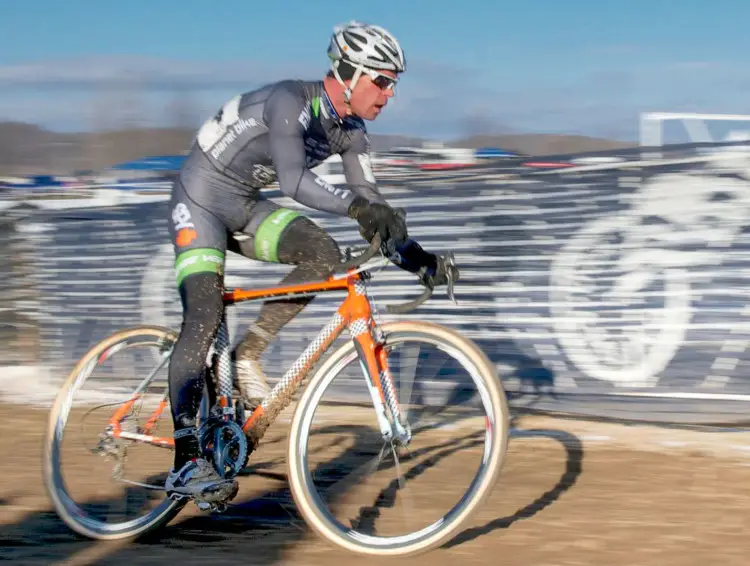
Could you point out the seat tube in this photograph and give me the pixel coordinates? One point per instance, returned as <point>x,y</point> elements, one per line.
<point>224,369</point>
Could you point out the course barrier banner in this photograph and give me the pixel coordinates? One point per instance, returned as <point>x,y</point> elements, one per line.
<point>621,292</point>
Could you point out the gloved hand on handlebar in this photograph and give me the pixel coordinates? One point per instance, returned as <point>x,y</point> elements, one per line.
<point>442,271</point>
<point>375,218</point>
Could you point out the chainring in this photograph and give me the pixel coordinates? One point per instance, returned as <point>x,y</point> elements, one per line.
<point>224,445</point>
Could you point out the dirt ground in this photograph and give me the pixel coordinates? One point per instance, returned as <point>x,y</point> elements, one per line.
<point>571,493</point>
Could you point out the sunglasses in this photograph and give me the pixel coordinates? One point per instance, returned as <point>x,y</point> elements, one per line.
<point>383,82</point>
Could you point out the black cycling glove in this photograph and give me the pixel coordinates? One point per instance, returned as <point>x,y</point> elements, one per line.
<point>375,218</point>
<point>390,223</point>
<point>438,276</point>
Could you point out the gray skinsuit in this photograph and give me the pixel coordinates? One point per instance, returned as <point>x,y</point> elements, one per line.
<point>278,132</point>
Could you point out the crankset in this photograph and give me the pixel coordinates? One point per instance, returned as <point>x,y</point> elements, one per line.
<point>224,445</point>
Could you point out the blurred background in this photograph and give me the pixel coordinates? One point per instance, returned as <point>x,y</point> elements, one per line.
<point>93,84</point>
<point>588,163</point>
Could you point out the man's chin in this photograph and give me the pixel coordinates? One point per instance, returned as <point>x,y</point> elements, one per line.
<point>370,114</point>
<point>375,112</point>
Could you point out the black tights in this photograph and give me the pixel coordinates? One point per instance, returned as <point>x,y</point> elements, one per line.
<point>303,244</point>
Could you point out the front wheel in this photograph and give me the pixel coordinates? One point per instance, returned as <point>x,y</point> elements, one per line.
<point>385,520</point>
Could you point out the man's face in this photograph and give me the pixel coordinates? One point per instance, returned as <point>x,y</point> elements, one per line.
<point>370,94</point>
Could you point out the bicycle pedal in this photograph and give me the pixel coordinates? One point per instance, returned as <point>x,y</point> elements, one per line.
<point>211,507</point>
<point>202,505</point>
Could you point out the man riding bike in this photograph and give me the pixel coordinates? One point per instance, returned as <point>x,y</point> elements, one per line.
<point>278,132</point>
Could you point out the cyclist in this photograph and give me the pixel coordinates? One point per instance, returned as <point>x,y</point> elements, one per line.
<point>278,132</point>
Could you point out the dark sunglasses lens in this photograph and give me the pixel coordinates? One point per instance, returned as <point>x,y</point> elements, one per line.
<point>384,82</point>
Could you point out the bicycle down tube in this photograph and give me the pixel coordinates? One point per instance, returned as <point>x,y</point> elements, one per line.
<point>354,313</point>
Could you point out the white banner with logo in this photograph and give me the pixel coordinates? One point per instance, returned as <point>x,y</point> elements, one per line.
<point>619,292</point>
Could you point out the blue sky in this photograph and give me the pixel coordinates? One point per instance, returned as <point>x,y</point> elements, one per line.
<point>474,66</point>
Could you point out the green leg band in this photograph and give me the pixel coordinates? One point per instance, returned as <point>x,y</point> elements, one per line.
<point>268,233</point>
<point>201,260</point>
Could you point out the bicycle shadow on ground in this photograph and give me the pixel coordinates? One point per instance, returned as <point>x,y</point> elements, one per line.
<point>266,524</point>
<point>536,380</point>
<point>573,469</point>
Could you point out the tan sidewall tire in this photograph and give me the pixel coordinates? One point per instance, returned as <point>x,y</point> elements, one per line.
<point>497,398</point>
<point>49,442</point>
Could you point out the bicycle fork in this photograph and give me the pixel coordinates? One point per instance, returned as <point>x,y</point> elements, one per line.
<point>369,343</point>
<point>374,362</point>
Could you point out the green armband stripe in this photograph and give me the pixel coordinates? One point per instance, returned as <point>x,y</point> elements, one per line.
<point>200,260</point>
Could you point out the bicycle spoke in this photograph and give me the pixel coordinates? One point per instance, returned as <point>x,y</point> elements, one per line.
<point>409,364</point>
<point>144,485</point>
<point>409,505</point>
<point>366,468</point>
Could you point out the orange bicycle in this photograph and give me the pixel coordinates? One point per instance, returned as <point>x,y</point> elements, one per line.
<point>417,437</point>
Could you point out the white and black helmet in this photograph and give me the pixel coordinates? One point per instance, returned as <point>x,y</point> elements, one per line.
<point>366,45</point>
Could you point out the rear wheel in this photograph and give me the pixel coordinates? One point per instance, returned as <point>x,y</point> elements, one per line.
<point>131,362</point>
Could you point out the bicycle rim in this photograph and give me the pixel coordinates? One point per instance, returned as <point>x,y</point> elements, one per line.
<point>72,512</point>
<point>496,424</point>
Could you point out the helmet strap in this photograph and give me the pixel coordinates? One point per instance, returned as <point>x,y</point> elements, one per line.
<point>347,89</point>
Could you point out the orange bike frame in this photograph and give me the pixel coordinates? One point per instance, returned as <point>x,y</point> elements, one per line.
<point>354,313</point>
